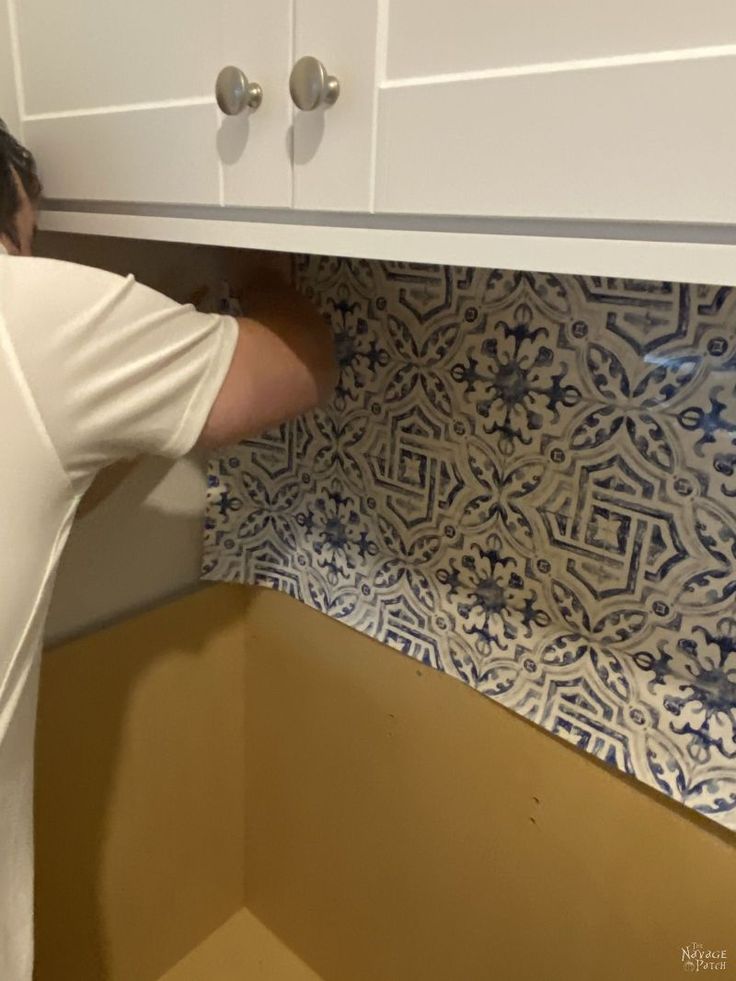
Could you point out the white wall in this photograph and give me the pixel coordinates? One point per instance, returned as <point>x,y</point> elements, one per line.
<point>8,100</point>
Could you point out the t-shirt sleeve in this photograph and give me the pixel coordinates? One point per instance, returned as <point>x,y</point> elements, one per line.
<point>116,368</point>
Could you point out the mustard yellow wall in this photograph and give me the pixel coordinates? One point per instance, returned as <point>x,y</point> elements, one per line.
<point>402,826</point>
<point>385,821</point>
<point>139,791</point>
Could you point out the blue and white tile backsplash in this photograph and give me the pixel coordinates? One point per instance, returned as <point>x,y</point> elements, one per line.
<point>528,482</point>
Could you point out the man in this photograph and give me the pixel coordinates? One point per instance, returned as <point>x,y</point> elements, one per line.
<point>96,369</point>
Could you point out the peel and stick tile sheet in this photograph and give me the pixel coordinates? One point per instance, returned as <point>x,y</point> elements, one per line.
<point>526,481</point>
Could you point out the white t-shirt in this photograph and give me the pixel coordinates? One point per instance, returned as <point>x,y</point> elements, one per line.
<point>94,367</point>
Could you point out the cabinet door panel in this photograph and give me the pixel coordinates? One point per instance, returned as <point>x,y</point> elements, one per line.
<point>85,54</point>
<point>639,142</point>
<point>333,147</point>
<point>120,99</point>
<point>254,147</point>
<point>99,80</point>
<point>428,37</point>
<point>159,155</point>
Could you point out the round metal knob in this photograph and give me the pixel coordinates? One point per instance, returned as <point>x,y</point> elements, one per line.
<point>311,86</point>
<point>234,92</point>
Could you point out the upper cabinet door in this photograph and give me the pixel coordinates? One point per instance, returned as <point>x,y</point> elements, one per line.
<point>573,109</point>
<point>118,99</point>
<point>333,146</point>
<point>253,147</point>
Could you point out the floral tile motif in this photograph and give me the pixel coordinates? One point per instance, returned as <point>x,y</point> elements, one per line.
<point>526,481</point>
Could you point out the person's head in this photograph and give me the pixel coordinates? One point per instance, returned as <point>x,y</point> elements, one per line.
<point>20,195</point>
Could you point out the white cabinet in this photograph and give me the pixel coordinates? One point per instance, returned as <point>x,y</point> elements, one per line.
<point>572,109</point>
<point>550,134</point>
<point>118,99</point>
<point>564,110</point>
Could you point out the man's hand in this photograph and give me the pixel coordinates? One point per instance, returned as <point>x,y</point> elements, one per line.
<point>104,484</point>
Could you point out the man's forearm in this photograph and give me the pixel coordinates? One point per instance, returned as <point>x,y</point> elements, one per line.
<point>294,318</point>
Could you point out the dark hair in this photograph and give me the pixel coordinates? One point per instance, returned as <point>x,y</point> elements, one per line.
<point>14,157</point>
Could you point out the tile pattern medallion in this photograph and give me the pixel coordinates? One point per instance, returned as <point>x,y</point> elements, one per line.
<point>528,482</point>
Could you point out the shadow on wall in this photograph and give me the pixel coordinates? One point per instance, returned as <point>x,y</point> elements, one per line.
<point>138,821</point>
<point>137,547</point>
<point>177,269</point>
<point>172,268</point>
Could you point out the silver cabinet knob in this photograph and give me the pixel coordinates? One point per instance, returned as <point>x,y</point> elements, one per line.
<point>311,86</point>
<point>234,92</point>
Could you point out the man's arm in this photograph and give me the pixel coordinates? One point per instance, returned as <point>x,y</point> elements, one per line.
<point>284,364</point>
